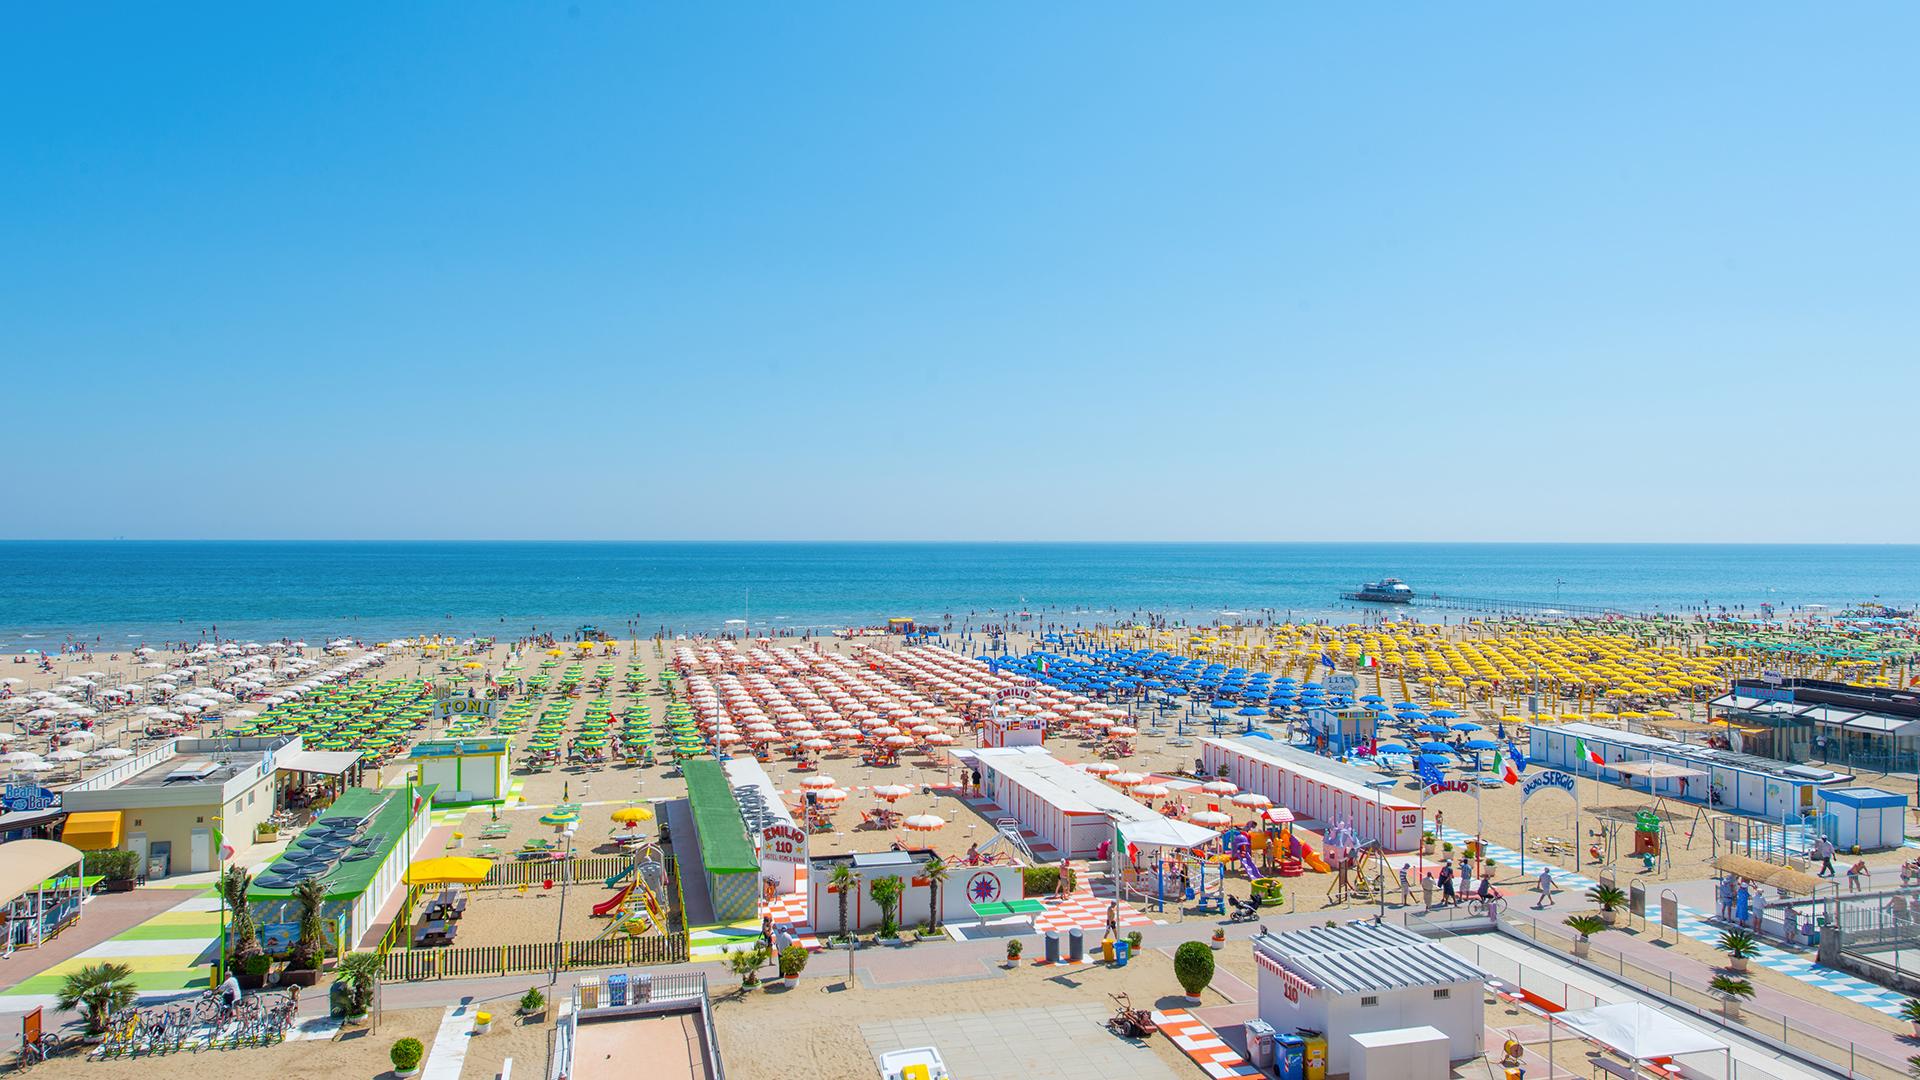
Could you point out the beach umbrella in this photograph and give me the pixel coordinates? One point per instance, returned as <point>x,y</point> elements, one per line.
<point>1390,748</point>
<point>925,822</point>
<point>448,870</point>
<point>632,815</point>
<point>1126,779</point>
<point>1253,800</point>
<point>1220,787</point>
<point>830,796</point>
<point>891,792</point>
<point>1212,819</point>
<point>1435,748</point>
<point>817,782</point>
<point>1467,725</point>
<point>1432,729</point>
<point>1148,791</point>
<point>557,816</point>
<point>1098,768</point>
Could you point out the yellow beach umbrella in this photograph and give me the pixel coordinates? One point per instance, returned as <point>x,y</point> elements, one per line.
<point>628,815</point>
<point>448,870</point>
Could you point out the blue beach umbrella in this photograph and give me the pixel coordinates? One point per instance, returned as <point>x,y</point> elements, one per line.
<point>1435,748</point>
<point>1390,748</point>
<point>1466,725</point>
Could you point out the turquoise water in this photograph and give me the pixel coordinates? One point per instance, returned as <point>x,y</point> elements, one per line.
<point>124,591</point>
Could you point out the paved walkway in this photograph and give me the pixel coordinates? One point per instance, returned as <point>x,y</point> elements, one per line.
<point>170,953</point>
<point>1694,924</point>
<point>1061,1042</point>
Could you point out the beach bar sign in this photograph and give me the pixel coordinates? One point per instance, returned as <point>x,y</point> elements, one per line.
<point>1546,780</point>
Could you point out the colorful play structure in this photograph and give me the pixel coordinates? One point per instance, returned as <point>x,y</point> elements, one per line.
<point>636,908</point>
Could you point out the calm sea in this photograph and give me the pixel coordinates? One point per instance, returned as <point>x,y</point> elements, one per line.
<point>127,591</point>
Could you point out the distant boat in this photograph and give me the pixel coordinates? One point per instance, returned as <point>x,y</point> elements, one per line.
<point>1385,591</point>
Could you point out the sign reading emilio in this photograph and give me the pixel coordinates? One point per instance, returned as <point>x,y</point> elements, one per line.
<point>1545,780</point>
<point>783,843</point>
<point>1448,785</point>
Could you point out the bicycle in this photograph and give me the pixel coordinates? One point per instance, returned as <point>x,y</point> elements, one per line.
<point>33,1051</point>
<point>1492,907</point>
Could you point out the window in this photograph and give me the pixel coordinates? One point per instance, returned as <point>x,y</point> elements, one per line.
<point>1441,995</point>
<point>200,821</point>
<point>1369,1002</point>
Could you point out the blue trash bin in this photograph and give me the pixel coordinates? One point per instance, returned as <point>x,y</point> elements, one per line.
<point>1120,953</point>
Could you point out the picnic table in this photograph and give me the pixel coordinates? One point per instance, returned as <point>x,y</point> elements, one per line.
<point>434,932</point>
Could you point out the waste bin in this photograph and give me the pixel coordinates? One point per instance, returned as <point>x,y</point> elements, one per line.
<point>1076,945</point>
<point>1120,950</point>
<point>1053,946</point>
<point>1316,1057</point>
<point>642,989</point>
<point>1259,1043</point>
<point>588,990</point>
<point>1289,1057</point>
<point>1106,950</point>
<point>617,991</point>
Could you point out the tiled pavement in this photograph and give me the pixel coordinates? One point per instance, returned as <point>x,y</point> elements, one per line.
<point>1199,1042</point>
<point>1694,924</point>
<point>1065,1042</point>
<point>170,953</point>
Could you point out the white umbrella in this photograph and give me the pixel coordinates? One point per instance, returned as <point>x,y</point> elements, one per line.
<point>19,757</point>
<point>65,755</point>
<point>112,753</point>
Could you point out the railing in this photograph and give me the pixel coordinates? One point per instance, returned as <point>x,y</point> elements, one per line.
<point>474,961</point>
<point>1792,1033</point>
<point>402,923</point>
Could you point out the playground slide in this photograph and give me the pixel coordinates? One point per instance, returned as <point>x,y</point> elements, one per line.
<point>1247,867</point>
<point>612,904</point>
<point>1314,862</point>
<point>620,877</point>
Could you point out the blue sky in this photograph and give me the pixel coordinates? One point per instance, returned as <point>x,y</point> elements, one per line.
<point>994,271</point>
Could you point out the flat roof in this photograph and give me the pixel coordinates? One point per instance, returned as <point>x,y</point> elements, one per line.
<point>724,844</point>
<point>329,762</point>
<point>1062,785</point>
<point>196,767</point>
<point>375,819</point>
<point>1706,756</point>
<point>672,1046</point>
<point>1323,770</point>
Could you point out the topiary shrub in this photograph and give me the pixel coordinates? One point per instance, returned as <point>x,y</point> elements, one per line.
<point>1039,880</point>
<point>406,1054</point>
<point>1193,966</point>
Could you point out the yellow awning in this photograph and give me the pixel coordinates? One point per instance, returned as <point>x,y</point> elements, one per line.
<point>449,870</point>
<point>93,830</point>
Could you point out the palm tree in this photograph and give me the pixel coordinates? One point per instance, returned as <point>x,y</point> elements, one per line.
<point>935,871</point>
<point>99,991</point>
<point>246,933</point>
<point>312,946</point>
<point>359,971</point>
<point>845,880</point>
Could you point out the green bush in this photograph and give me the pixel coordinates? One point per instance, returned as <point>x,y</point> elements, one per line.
<point>1738,944</point>
<point>1609,897</point>
<point>1586,925</point>
<point>1133,941</point>
<point>533,1000</point>
<point>1193,966</point>
<point>406,1054</point>
<point>1730,988</point>
<point>256,965</point>
<point>113,865</point>
<point>793,961</point>
<point>1040,880</point>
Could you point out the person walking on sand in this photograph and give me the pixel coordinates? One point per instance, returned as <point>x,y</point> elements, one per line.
<point>1406,887</point>
<point>1546,887</point>
<point>1113,920</point>
<point>1446,884</point>
<point>1823,850</point>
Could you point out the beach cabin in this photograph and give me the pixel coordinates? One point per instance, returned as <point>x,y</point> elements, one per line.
<point>1317,788</point>
<point>1068,809</point>
<point>1734,782</point>
<point>359,849</point>
<point>1863,817</point>
<point>465,770</point>
<point>1012,729</point>
<point>729,859</point>
<point>1361,977</point>
<point>1340,730</point>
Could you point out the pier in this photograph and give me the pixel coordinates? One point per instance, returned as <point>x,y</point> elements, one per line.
<point>1517,607</point>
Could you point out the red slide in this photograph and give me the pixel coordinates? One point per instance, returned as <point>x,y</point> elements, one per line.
<point>614,903</point>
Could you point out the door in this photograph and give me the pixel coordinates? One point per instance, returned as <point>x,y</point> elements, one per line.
<point>201,855</point>
<point>137,843</point>
<point>159,859</point>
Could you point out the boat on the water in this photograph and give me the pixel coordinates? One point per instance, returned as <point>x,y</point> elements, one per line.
<point>1385,591</point>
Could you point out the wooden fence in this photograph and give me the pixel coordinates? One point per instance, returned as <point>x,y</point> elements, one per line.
<point>590,870</point>
<point>472,961</point>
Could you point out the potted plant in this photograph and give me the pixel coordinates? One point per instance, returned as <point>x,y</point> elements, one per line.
<point>1014,946</point>
<point>1731,992</point>
<point>747,963</point>
<point>354,983</point>
<point>1586,926</point>
<point>243,930</point>
<point>1910,1012</point>
<point>117,869</point>
<point>1133,942</point>
<point>1193,967</point>
<point>1446,848</point>
<point>303,961</point>
<point>98,991</point>
<point>793,961</point>
<point>265,833</point>
<point>886,893</point>
<point>406,1055</point>
<point>1219,939</point>
<point>1739,945</point>
<point>532,1001</point>
<point>1427,840</point>
<point>251,970</point>
<point>1611,899</point>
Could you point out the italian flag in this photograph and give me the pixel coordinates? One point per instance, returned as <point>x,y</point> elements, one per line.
<point>1590,755</point>
<point>1508,774</point>
<point>1369,661</point>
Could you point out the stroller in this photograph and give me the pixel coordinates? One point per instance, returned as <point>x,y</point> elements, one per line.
<point>1243,910</point>
<point>1129,1021</point>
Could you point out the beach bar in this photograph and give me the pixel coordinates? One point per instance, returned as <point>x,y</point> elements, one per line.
<point>1734,782</point>
<point>359,849</point>
<point>1863,817</point>
<point>465,771</point>
<point>727,854</point>
<point>1316,787</point>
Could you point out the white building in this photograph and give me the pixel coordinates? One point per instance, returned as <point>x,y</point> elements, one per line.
<point>1360,977</point>
<point>1317,788</point>
<point>1071,809</point>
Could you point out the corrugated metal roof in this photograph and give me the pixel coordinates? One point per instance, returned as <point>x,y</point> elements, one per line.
<point>1365,957</point>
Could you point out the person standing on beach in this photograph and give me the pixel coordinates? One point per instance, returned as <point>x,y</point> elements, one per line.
<point>1823,850</point>
<point>1546,888</point>
<point>1446,884</point>
<point>1406,887</point>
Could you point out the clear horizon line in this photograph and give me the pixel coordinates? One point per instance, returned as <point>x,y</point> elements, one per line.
<point>924,541</point>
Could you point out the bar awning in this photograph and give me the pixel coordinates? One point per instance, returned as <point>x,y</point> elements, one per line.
<point>30,862</point>
<point>93,830</point>
<point>1765,873</point>
<point>326,762</point>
